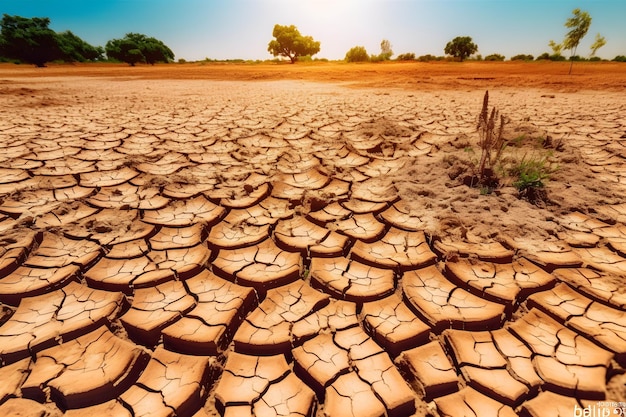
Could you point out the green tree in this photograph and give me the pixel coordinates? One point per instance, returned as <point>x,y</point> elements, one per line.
<point>291,44</point>
<point>74,48</point>
<point>579,25</point>
<point>598,43</point>
<point>385,50</point>
<point>556,47</point>
<point>135,48</point>
<point>461,47</point>
<point>357,54</point>
<point>28,39</point>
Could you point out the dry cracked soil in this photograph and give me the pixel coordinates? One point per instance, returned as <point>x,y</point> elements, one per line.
<point>192,241</point>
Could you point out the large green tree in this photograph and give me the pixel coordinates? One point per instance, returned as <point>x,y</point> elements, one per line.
<point>461,47</point>
<point>28,39</point>
<point>31,40</point>
<point>291,44</point>
<point>135,47</point>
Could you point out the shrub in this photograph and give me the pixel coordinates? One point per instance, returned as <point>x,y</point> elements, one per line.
<point>428,57</point>
<point>409,56</point>
<point>523,57</point>
<point>494,57</point>
<point>544,56</point>
<point>620,58</point>
<point>357,54</point>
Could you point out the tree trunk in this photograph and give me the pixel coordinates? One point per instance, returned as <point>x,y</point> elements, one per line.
<point>571,62</point>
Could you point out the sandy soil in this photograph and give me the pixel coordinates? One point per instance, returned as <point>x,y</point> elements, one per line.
<point>313,191</point>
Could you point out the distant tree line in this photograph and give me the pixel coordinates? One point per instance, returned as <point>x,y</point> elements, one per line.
<point>31,40</point>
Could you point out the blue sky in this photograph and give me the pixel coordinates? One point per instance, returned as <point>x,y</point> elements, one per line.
<point>222,29</point>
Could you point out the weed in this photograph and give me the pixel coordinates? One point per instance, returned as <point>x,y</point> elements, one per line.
<point>491,141</point>
<point>531,173</point>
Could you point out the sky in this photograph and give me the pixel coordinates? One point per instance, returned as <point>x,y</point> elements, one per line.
<point>241,29</point>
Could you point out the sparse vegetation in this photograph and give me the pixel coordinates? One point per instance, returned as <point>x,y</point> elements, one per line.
<point>357,54</point>
<point>289,43</point>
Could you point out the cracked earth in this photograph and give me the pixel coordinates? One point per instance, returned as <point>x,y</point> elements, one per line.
<point>285,248</point>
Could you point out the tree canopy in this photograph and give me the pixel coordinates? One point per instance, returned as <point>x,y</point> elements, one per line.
<point>461,47</point>
<point>385,50</point>
<point>357,54</point>
<point>598,43</point>
<point>31,40</point>
<point>135,47</point>
<point>291,44</point>
<point>74,48</point>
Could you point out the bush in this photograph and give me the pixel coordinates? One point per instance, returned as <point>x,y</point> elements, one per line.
<point>523,57</point>
<point>544,56</point>
<point>409,56</point>
<point>595,59</point>
<point>428,57</point>
<point>620,58</point>
<point>357,54</point>
<point>494,57</point>
<point>557,57</point>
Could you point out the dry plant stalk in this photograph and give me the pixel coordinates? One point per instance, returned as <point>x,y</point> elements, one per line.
<point>491,141</point>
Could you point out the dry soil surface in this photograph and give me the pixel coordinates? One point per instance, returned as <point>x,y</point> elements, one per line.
<point>277,240</point>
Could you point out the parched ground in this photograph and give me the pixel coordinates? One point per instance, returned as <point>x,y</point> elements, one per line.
<point>273,240</point>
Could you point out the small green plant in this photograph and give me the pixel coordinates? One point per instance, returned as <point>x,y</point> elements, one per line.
<point>530,175</point>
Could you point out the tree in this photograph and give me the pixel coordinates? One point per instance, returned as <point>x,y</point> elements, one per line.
<point>598,43</point>
<point>461,47</point>
<point>135,48</point>
<point>385,50</point>
<point>556,47</point>
<point>74,48</point>
<point>291,44</point>
<point>579,25</point>
<point>28,40</point>
<point>357,54</point>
